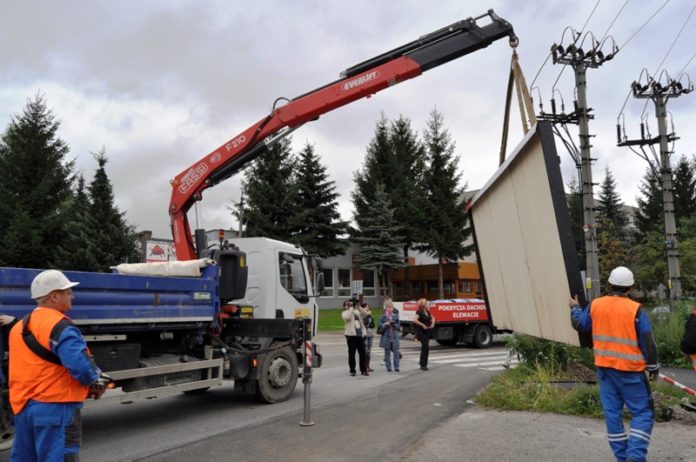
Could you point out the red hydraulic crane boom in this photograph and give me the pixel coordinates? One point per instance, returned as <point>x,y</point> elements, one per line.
<point>359,81</point>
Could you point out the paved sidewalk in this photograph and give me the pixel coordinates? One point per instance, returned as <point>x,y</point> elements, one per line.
<point>483,435</point>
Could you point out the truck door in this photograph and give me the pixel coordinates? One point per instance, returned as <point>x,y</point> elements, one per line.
<point>293,291</point>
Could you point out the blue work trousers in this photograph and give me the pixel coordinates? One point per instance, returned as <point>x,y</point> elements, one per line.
<point>619,388</point>
<point>47,432</point>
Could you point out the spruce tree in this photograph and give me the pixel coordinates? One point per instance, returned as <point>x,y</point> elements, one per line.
<point>35,181</point>
<point>684,189</point>
<point>77,251</point>
<point>270,190</point>
<point>318,224</point>
<point>380,245</point>
<point>650,216</point>
<point>114,239</point>
<point>448,221</point>
<point>378,168</point>
<point>609,209</point>
<point>408,194</point>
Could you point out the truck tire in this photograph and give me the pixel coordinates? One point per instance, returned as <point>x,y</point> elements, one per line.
<point>483,337</point>
<point>277,375</point>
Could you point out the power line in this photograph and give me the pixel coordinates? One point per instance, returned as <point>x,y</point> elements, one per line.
<point>674,42</point>
<point>686,65</point>
<point>644,24</point>
<point>577,37</point>
<point>613,21</point>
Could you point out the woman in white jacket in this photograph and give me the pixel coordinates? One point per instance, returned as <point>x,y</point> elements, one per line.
<point>353,317</point>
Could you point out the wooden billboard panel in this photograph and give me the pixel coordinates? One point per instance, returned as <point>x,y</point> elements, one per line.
<point>524,242</point>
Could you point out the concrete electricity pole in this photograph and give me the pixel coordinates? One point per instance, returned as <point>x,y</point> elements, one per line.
<point>659,93</point>
<point>580,60</point>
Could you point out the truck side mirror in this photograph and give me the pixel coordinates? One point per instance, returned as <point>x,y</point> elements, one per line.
<point>319,283</point>
<point>233,274</point>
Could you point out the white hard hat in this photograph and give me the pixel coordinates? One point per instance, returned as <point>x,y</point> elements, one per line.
<point>621,276</point>
<point>48,281</point>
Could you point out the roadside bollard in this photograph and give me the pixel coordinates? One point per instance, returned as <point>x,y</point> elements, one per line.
<point>307,370</point>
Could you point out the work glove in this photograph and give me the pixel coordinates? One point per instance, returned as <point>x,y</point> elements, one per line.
<point>97,389</point>
<point>654,374</point>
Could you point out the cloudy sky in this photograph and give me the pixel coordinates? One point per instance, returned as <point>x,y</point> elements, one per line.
<point>160,84</point>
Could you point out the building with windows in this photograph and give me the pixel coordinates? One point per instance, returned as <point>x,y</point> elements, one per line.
<point>343,278</point>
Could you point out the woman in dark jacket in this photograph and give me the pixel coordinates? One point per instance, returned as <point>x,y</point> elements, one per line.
<point>424,322</point>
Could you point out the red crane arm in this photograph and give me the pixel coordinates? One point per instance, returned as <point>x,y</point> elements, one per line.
<point>359,81</point>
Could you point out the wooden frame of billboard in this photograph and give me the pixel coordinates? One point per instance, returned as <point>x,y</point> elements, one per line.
<point>525,245</point>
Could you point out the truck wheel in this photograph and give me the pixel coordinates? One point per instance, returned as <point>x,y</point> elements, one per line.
<point>450,342</point>
<point>483,337</point>
<point>277,375</point>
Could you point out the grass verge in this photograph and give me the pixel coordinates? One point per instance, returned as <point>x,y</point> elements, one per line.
<point>330,320</point>
<point>536,388</point>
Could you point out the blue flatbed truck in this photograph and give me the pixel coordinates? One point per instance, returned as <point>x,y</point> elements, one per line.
<point>163,335</point>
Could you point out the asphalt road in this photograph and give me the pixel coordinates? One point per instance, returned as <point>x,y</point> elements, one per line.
<point>413,416</point>
<point>380,413</point>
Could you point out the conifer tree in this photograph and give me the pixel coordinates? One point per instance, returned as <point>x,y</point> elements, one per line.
<point>270,191</point>
<point>448,221</point>
<point>380,246</point>
<point>35,181</point>
<point>407,194</point>
<point>378,168</point>
<point>114,239</point>
<point>77,251</point>
<point>610,215</point>
<point>684,189</point>
<point>650,216</point>
<point>318,224</point>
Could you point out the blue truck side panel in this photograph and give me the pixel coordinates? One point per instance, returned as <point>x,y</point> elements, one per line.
<point>104,298</point>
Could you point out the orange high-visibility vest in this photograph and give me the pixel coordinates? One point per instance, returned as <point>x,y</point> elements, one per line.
<point>34,378</point>
<point>693,361</point>
<point>614,334</point>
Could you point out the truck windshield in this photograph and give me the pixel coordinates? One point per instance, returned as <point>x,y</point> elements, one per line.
<point>292,275</point>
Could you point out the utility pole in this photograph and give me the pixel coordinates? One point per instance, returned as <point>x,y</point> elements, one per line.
<point>580,60</point>
<point>659,93</point>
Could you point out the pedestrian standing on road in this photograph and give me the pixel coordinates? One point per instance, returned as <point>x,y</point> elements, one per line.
<point>624,349</point>
<point>389,326</point>
<point>688,341</point>
<point>424,322</point>
<point>353,317</point>
<point>51,374</point>
<point>370,327</point>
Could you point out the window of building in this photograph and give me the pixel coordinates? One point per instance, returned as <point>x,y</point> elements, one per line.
<point>344,286</point>
<point>448,287</point>
<point>368,283</point>
<point>465,286</point>
<point>415,289</point>
<point>328,283</point>
<point>433,287</point>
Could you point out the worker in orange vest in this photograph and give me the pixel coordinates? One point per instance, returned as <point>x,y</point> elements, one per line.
<point>624,349</point>
<point>51,373</point>
<point>688,342</point>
